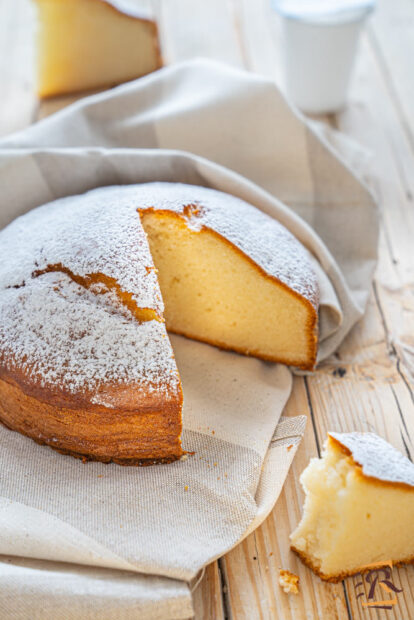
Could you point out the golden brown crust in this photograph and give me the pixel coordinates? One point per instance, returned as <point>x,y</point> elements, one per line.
<point>125,398</point>
<point>340,576</point>
<point>127,437</point>
<point>288,581</point>
<point>311,305</point>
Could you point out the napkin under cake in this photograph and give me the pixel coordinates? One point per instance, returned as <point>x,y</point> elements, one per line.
<point>89,286</point>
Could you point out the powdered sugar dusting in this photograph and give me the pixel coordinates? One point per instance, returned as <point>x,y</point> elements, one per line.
<point>269,244</point>
<point>59,333</point>
<point>98,232</point>
<point>63,334</point>
<point>377,457</point>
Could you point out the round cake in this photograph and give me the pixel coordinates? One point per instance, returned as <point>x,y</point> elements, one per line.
<point>89,286</point>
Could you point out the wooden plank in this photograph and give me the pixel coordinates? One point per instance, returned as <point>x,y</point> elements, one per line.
<point>18,101</point>
<point>207,596</point>
<point>191,28</point>
<point>252,568</point>
<point>394,161</point>
<point>374,395</point>
<point>392,27</point>
<point>377,393</point>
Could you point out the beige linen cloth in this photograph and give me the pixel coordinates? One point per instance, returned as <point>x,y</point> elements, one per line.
<point>103,541</point>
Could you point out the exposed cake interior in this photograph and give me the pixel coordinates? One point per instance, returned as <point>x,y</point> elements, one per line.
<point>350,520</point>
<point>86,44</point>
<point>214,293</point>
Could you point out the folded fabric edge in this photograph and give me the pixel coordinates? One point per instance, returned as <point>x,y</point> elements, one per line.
<point>284,444</point>
<point>68,544</point>
<point>29,588</point>
<point>282,450</point>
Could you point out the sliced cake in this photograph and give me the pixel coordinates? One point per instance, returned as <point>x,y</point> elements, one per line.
<point>85,44</point>
<point>359,507</point>
<point>231,275</point>
<point>86,365</point>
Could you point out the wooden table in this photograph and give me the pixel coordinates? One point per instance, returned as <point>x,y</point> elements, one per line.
<point>369,383</point>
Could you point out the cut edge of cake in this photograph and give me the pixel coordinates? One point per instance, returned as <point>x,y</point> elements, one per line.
<point>51,82</point>
<point>183,327</point>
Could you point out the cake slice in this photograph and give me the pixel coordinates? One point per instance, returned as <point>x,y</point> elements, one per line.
<point>230,275</point>
<point>359,507</point>
<point>85,44</point>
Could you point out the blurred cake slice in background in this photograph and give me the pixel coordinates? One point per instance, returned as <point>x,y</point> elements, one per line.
<point>359,507</point>
<point>87,44</point>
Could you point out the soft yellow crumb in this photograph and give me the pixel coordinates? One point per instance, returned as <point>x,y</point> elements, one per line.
<point>289,582</point>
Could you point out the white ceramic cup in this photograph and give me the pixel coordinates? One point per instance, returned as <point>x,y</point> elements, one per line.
<point>319,52</point>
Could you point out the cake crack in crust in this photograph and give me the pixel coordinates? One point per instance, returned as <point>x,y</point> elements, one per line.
<point>91,281</point>
<point>89,286</point>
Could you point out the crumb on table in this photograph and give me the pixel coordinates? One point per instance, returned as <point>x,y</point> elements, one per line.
<point>288,581</point>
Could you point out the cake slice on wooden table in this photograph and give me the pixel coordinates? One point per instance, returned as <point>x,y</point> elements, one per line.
<point>359,507</point>
<point>86,365</point>
<point>85,44</point>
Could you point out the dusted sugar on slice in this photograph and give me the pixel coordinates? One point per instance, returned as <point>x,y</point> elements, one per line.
<point>230,275</point>
<point>359,507</point>
<point>84,44</point>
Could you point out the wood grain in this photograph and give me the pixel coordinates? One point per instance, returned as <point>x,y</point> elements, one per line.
<point>251,570</point>
<point>208,597</point>
<point>376,391</point>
